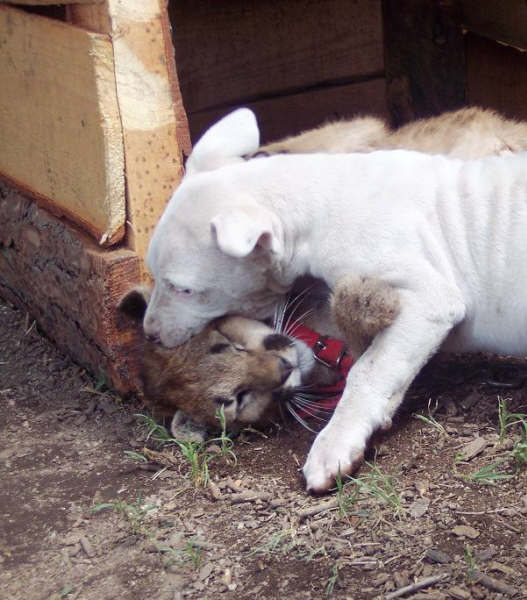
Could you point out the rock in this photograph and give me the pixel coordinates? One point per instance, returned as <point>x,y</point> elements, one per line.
<point>419,507</point>
<point>473,448</point>
<point>437,556</point>
<point>465,531</point>
<point>457,593</point>
<point>380,579</point>
<point>206,570</point>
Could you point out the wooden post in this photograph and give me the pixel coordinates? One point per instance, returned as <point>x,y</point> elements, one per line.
<point>154,122</point>
<point>423,58</point>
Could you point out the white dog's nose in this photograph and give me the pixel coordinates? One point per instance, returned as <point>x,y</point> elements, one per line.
<point>151,328</point>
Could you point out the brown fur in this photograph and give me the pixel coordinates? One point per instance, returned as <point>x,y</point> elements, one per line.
<point>362,308</point>
<point>194,380</point>
<point>226,360</point>
<point>470,132</point>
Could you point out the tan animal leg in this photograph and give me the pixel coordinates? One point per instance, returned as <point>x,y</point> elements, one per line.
<point>362,308</point>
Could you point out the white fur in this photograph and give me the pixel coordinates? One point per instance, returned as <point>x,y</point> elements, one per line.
<point>450,236</point>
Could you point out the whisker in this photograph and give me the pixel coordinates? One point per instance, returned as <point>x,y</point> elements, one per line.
<point>311,405</point>
<point>312,413</point>
<point>298,418</point>
<point>289,326</point>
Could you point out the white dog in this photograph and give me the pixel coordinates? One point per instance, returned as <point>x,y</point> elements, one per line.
<point>449,236</point>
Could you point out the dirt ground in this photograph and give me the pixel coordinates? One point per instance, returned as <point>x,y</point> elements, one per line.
<point>81,519</point>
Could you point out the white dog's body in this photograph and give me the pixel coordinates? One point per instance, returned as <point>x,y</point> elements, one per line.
<point>449,236</point>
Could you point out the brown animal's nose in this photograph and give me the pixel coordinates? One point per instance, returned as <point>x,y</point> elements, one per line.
<point>285,369</point>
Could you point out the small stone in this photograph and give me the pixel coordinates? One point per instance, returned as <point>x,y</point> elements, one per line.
<point>206,570</point>
<point>438,556</point>
<point>473,448</point>
<point>214,449</point>
<point>457,593</point>
<point>465,531</point>
<point>380,579</point>
<point>486,554</point>
<point>422,486</point>
<point>419,507</point>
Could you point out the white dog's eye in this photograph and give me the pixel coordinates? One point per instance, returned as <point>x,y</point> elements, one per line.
<point>179,290</point>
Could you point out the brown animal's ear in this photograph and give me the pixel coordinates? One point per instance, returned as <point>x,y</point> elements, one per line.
<point>135,302</point>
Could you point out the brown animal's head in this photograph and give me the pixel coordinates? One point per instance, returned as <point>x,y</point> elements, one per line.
<point>236,363</point>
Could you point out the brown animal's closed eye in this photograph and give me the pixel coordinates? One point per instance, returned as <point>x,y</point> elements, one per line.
<point>217,348</point>
<point>222,401</point>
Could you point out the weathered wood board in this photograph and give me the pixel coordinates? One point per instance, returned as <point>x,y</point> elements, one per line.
<point>59,120</point>
<point>287,115</point>
<point>238,52</point>
<point>70,286</point>
<point>154,122</point>
<point>503,20</point>
<point>424,60</point>
<point>497,77</point>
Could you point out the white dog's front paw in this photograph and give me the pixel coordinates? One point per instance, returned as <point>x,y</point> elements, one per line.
<point>332,453</point>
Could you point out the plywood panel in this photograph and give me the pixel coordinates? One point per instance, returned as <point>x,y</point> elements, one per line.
<point>59,120</point>
<point>497,77</point>
<point>240,51</point>
<point>286,115</point>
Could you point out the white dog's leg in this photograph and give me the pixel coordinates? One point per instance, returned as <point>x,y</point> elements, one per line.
<point>377,382</point>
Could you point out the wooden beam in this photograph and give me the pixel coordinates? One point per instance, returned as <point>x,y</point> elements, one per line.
<point>238,51</point>
<point>59,118</point>
<point>504,21</point>
<point>70,286</point>
<point>496,77</point>
<point>50,2</point>
<point>424,60</point>
<point>154,121</point>
<point>290,114</point>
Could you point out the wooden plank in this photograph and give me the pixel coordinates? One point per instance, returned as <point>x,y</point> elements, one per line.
<point>233,52</point>
<point>59,119</point>
<point>70,286</point>
<point>287,115</point>
<point>496,77</point>
<point>154,121</point>
<point>504,21</point>
<point>49,2</point>
<point>424,60</point>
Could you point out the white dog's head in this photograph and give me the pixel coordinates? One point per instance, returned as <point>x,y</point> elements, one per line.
<point>213,249</point>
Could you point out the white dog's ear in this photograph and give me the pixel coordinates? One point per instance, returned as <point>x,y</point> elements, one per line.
<point>241,230</point>
<point>225,142</point>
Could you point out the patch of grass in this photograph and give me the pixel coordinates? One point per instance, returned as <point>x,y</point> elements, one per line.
<point>490,474</point>
<point>134,513</point>
<point>332,581</point>
<point>224,440</point>
<point>190,554</point>
<point>346,500</point>
<point>430,419</point>
<point>507,419</point>
<point>280,542</point>
<point>155,432</point>
<point>378,485</point>
<point>470,561</point>
<point>196,453</point>
<point>137,456</point>
<point>198,459</point>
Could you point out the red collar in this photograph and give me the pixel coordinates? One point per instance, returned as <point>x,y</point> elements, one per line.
<point>332,354</point>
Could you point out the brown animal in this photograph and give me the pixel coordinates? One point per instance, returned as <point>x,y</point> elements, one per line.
<point>236,363</point>
<point>470,132</point>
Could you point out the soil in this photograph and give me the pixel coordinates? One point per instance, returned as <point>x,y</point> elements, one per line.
<point>80,519</point>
